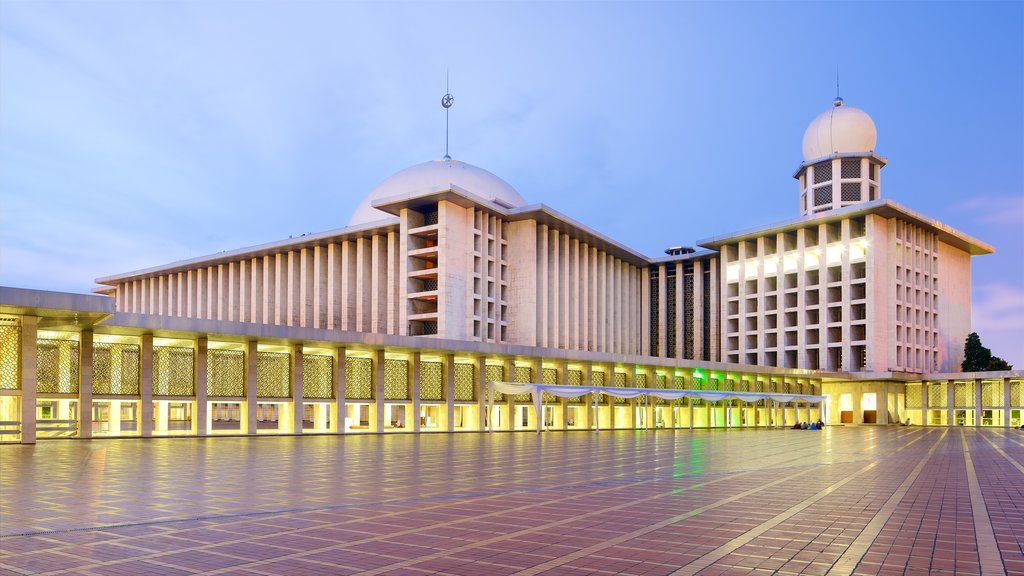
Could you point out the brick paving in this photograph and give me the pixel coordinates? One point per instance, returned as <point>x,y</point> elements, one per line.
<point>867,500</point>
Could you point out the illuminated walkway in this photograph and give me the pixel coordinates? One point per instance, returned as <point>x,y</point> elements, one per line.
<point>854,500</point>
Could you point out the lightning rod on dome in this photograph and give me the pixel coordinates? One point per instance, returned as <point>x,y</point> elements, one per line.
<point>839,99</point>
<point>446,102</point>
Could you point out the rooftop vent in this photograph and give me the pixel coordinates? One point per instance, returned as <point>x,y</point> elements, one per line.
<point>680,250</point>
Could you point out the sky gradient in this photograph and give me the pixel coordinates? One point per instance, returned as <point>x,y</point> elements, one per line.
<point>134,134</point>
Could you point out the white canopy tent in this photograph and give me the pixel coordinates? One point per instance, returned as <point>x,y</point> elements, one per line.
<point>537,392</point>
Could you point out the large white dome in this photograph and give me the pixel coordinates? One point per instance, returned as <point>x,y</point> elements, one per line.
<point>436,175</point>
<point>839,129</point>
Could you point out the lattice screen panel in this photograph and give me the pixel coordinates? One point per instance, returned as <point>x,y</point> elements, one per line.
<point>937,395</point>
<point>173,371</point>
<point>823,196</point>
<point>963,394</point>
<point>493,373</point>
<point>679,383</point>
<point>464,375</point>
<point>10,357</point>
<point>1015,394</point>
<point>619,381</point>
<point>431,381</point>
<point>597,376</point>
<point>850,168</point>
<point>688,317</point>
<point>991,394</point>
<point>273,375</point>
<point>548,376</point>
<point>115,369</point>
<point>660,381</point>
<point>823,172</point>
<point>358,378</point>
<point>913,397</point>
<point>396,379</point>
<point>575,378</point>
<point>225,373</point>
<point>850,192</point>
<point>57,367</point>
<point>317,376</point>
<point>522,375</point>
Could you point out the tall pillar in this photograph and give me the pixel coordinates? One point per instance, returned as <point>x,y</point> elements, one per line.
<point>950,403</point>
<point>145,413</point>
<point>883,403</point>
<point>563,380</point>
<point>480,392</point>
<point>338,410</point>
<point>415,360</point>
<point>298,406</point>
<point>508,366</point>
<point>924,403</point>
<point>1005,382</point>
<point>200,418</point>
<point>449,389</point>
<point>378,388</point>
<point>251,362</point>
<point>588,399</point>
<point>977,403</point>
<point>85,347</point>
<point>29,370</point>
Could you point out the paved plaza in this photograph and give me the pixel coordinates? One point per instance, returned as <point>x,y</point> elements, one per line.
<point>844,501</point>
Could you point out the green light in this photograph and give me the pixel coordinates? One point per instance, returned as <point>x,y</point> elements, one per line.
<point>697,374</point>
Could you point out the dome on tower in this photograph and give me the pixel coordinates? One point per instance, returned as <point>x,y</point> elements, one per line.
<point>839,129</point>
<point>434,175</point>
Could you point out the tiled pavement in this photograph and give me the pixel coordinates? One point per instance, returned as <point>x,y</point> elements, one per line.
<point>847,500</point>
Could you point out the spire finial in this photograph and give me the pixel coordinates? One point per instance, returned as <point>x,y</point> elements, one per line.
<point>839,99</point>
<point>446,102</point>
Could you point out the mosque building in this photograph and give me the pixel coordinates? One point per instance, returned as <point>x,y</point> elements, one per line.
<point>446,281</point>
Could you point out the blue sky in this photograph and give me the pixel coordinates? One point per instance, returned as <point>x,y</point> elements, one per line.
<point>138,133</point>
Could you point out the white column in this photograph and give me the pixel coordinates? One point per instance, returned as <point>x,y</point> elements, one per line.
<point>145,412</point>
<point>199,418</point>
<point>378,388</point>
<point>298,411</point>
<point>339,410</point>
<point>415,391</point>
<point>249,421</point>
<point>29,368</point>
<point>85,372</point>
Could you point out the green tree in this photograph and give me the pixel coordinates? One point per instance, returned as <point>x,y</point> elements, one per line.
<point>978,358</point>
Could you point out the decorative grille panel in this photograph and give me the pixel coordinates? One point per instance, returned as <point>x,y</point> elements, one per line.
<point>823,172</point>
<point>661,381</point>
<point>10,357</point>
<point>963,394</point>
<point>431,381</point>
<point>679,383</point>
<point>396,379</point>
<point>850,192</point>
<point>173,371</point>
<point>57,367</point>
<point>640,381</point>
<point>688,316</point>
<point>654,313</point>
<point>1015,395</point>
<point>823,196</point>
<point>575,377</point>
<point>598,378</point>
<point>494,373</point>
<point>991,394</point>
<point>317,376</point>
<point>273,375</point>
<point>115,369</point>
<point>670,316</point>
<point>850,168</point>
<point>225,373</point>
<point>730,386</point>
<point>522,375</point>
<point>913,396</point>
<point>549,376</point>
<point>358,379</point>
<point>464,375</point>
<point>620,380</point>
<point>937,395</point>
<point>706,322</point>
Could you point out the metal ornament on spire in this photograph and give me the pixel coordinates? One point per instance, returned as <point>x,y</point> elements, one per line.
<point>446,102</point>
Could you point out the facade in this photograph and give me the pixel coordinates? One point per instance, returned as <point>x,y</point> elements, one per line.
<point>446,279</point>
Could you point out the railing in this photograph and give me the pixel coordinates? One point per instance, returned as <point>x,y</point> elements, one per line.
<point>10,428</point>
<point>57,427</point>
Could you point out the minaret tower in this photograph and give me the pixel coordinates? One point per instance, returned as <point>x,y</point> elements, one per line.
<point>840,167</point>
